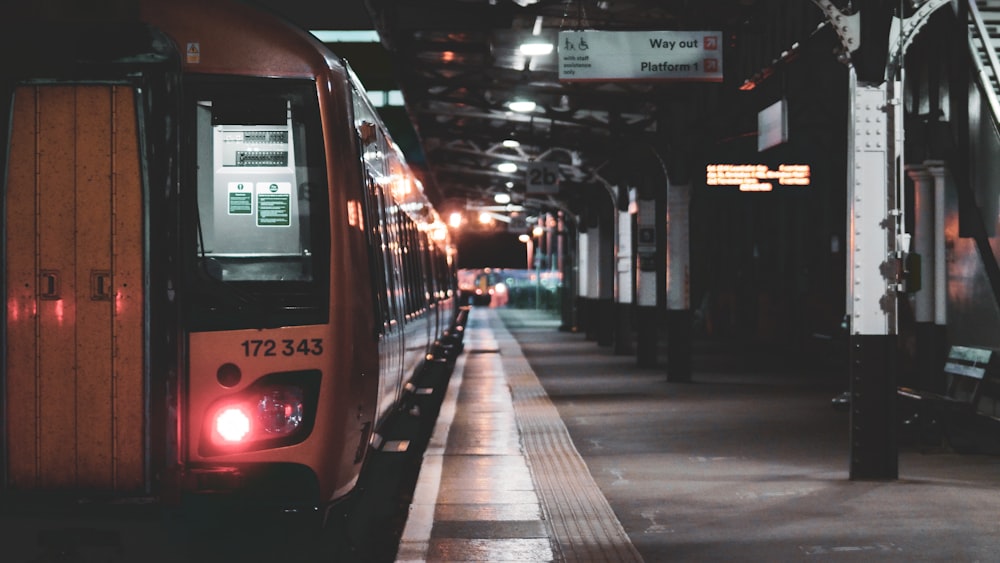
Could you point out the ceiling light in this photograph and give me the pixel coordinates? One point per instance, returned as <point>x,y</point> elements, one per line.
<point>511,143</point>
<point>535,48</point>
<point>507,167</point>
<point>523,106</point>
<point>502,199</point>
<point>346,36</point>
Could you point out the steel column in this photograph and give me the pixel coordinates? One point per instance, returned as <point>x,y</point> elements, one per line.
<point>872,278</point>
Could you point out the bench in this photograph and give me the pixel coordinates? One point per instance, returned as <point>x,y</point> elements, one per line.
<point>968,411</point>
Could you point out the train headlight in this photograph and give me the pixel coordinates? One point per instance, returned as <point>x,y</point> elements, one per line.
<point>280,410</point>
<point>277,410</point>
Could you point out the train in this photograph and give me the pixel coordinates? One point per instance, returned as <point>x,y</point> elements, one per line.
<point>220,272</point>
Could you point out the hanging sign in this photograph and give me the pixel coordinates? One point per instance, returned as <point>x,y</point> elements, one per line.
<point>640,56</point>
<point>542,177</point>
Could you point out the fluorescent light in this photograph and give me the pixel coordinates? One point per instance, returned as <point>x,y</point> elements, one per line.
<point>523,106</point>
<point>507,167</point>
<point>535,49</point>
<point>346,36</point>
<point>386,98</point>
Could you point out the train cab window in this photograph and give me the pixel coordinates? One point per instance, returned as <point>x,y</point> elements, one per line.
<point>260,211</point>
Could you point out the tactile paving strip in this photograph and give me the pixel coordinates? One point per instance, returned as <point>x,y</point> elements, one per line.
<point>584,526</point>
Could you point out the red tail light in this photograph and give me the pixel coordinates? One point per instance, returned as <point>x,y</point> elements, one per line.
<point>277,410</point>
<point>232,424</point>
<point>261,414</point>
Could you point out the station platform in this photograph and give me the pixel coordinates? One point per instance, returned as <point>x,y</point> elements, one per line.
<point>549,447</point>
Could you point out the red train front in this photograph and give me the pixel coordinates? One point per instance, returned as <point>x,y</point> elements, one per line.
<point>219,271</point>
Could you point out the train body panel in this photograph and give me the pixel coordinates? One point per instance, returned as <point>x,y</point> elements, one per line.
<point>264,280</point>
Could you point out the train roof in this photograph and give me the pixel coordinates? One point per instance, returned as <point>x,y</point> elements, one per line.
<point>229,37</point>
<point>211,37</point>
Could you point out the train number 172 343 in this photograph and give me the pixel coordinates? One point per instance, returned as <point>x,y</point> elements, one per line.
<point>286,347</point>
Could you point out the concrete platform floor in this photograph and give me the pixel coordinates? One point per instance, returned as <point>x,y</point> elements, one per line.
<point>749,462</point>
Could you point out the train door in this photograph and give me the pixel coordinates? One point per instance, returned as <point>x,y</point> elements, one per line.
<point>74,357</point>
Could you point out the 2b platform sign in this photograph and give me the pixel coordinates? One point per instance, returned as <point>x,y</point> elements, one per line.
<point>543,178</point>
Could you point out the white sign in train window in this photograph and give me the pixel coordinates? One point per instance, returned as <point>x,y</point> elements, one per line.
<point>640,56</point>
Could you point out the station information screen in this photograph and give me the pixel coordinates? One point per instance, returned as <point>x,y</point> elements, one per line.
<point>757,177</point>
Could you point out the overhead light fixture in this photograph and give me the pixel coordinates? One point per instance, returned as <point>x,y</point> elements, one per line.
<point>523,106</point>
<point>346,36</point>
<point>507,167</point>
<point>502,199</point>
<point>511,143</point>
<point>535,48</point>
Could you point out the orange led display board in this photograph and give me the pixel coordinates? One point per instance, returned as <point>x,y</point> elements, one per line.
<point>757,177</point>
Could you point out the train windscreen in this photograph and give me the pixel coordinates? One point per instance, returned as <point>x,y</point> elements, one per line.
<point>260,214</point>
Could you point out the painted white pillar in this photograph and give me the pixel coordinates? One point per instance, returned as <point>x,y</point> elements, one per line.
<point>646,280</point>
<point>583,261</point>
<point>624,258</point>
<point>938,171</point>
<point>871,300</point>
<point>923,241</point>
<point>678,247</point>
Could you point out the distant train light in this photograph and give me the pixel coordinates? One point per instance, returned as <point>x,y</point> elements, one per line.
<point>523,106</point>
<point>232,424</point>
<point>535,48</point>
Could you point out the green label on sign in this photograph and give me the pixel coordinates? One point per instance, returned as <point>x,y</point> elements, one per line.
<point>240,203</point>
<point>273,210</point>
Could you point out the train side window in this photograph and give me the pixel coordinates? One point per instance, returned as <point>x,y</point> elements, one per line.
<point>377,245</point>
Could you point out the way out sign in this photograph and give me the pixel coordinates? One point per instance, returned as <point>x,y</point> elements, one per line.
<point>542,177</point>
<point>640,56</point>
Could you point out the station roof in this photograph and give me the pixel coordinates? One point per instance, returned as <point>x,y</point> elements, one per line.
<point>458,65</point>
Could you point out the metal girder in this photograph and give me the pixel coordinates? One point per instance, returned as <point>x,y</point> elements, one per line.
<point>909,28</point>
<point>847,26</point>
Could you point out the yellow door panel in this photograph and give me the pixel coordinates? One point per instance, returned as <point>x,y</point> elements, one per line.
<point>93,238</point>
<point>128,298</point>
<point>22,297</point>
<point>75,350</point>
<point>56,313</point>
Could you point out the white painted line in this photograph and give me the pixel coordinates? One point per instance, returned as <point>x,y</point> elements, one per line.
<point>414,543</point>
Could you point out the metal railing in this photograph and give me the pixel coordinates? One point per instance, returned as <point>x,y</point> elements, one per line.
<point>988,71</point>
